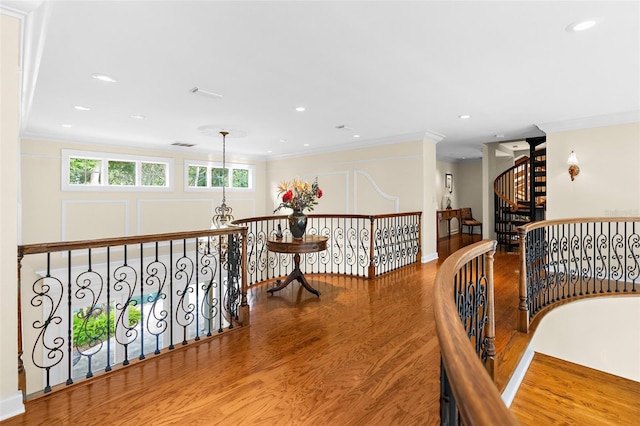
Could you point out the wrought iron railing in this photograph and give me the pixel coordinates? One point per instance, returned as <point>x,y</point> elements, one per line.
<point>91,306</point>
<point>563,260</point>
<point>359,245</point>
<point>464,314</point>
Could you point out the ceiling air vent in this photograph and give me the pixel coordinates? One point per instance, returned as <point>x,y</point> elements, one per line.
<point>205,92</point>
<point>187,145</point>
<point>344,127</point>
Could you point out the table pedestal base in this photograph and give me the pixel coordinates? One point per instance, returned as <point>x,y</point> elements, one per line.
<point>296,274</point>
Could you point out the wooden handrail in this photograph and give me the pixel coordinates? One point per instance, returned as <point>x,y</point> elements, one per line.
<point>328,216</point>
<point>119,241</point>
<point>514,206</point>
<point>476,395</point>
<point>544,223</point>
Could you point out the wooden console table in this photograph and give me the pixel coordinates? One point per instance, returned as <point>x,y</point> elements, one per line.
<point>308,244</point>
<point>448,215</point>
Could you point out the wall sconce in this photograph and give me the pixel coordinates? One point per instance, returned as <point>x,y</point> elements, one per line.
<point>574,170</point>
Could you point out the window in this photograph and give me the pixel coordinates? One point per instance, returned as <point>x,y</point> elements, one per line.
<point>88,171</point>
<point>212,175</point>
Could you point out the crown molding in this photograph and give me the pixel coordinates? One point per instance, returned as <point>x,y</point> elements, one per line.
<point>434,137</point>
<point>107,145</point>
<point>389,140</point>
<point>20,8</point>
<point>591,122</point>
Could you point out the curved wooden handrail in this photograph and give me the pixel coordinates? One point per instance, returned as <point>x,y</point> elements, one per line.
<point>514,206</point>
<point>544,223</point>
<point>476,395</point>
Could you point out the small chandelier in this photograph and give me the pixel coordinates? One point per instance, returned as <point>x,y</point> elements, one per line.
<point>220,220</point>
<point>223,216</point>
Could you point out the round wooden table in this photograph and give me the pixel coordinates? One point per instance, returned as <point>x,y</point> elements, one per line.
<point>308,244</point>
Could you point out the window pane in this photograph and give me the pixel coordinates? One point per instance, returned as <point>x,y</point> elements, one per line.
<point>219,177</point>
<point>240,178</point>
<point>122,173</point>
<point>84,172</point>
<point>197,176</point>
<point>154,174</point>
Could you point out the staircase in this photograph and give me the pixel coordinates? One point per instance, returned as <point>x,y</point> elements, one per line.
<point>520,194</point>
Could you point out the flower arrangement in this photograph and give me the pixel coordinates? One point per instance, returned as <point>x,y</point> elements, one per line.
<point>299,195</point>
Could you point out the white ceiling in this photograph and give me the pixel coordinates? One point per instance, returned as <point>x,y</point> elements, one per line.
<point>392,71</point>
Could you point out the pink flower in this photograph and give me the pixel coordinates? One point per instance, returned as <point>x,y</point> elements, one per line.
<point>288,196</point>
<point>319,193</point>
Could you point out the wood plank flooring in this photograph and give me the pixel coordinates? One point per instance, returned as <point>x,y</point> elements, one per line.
<point>554,389</point>
<point>364,353</point>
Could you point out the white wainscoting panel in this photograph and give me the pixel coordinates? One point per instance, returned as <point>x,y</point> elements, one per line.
<point>380,201</point>
<point>93,219</point>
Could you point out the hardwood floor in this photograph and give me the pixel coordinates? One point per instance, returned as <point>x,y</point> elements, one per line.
<point>554,389</point>
<point>364,353</point>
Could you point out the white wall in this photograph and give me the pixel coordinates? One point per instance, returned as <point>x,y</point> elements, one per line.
<point>370,180</point>
<point>470,187</point>
<point>51,214</point>
<point>373,180</point>
<point>442,168</point>
<point>10,397</point>
<point>609,181</point>
<point>602,333</point>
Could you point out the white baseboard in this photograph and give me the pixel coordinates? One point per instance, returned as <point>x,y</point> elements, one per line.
<point>429,257</point>
<point>11,405</point>
<point>514,383</point>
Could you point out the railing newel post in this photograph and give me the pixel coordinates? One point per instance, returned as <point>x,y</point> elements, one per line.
<point>523,307</point>
<point>22,375</point>
<point>245,314</point>
<point>372,268</point>
<point>491,363</point>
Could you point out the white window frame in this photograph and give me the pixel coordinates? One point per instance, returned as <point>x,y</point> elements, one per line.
<point>209,165</point>
<point>105,157</point>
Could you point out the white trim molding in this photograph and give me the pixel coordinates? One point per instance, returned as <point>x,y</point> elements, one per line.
<point>432,136</point>
<point>591,122</point>
<point>395,199</point>
<point>518,375</point>
<point>429,257</point>
<point>11,405</point>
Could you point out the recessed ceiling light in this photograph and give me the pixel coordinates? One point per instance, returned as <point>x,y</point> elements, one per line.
<point>82,108</point>
<point>67,126</point>
<point>300,109</point>
<point>499,136</point>
<point>269,152</point>
<point>138,117</point>
<point>356,136</point>
<point>581,25</point>
<point>306,144</point>
<point>283,140</point>
<point>103,77</point>
<point>464,116</point>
